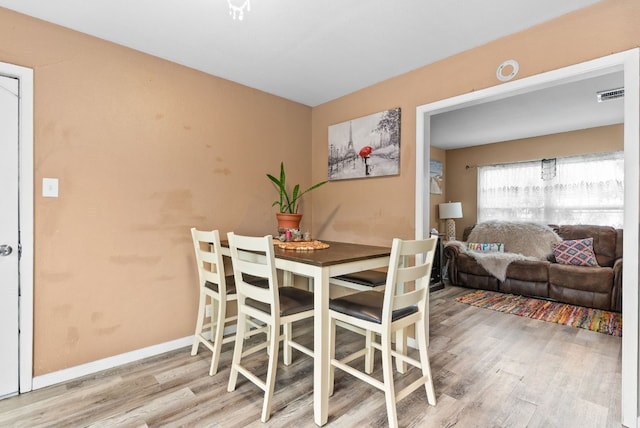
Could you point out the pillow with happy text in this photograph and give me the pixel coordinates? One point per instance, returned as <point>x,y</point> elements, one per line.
<point>576,252</point>
<point>482,247</point>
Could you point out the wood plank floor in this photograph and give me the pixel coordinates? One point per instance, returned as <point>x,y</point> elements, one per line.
<point>490,370</point>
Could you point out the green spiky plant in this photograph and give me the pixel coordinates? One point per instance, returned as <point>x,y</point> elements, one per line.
<point>288,203</point>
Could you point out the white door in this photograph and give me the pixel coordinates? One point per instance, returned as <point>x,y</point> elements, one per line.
<point>9,237</point>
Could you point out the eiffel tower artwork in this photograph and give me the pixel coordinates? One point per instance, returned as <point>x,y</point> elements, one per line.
<point>351,152</point>
<point>368,146</point>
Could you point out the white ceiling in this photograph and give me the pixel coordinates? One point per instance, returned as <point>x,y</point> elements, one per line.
<point>303,50</point>
<point>560,108</point>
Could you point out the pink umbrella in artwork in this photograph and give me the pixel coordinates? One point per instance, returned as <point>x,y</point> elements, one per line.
<point>365,151</point>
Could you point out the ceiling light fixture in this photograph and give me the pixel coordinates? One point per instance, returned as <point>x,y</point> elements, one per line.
<point>237,10</point>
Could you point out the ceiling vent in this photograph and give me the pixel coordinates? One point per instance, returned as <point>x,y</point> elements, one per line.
<point>610,94</point>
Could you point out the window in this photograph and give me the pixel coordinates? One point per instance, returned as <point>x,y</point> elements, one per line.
<point>587,189</point>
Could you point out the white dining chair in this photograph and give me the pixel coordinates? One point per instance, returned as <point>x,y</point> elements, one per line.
<point>274,306</point>
<point>215,287</point>
<point>403,303</point>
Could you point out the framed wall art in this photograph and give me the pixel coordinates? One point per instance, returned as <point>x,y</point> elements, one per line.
<point>365,147</point>
<point>435,177</point>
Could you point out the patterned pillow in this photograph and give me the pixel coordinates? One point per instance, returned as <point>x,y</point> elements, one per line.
<point>494,247</point>
<point>577,252</point>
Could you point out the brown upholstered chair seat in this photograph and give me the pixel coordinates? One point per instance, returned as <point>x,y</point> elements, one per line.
<point>292,301</point>
<point>369,278</point>
<point>231,283</point>
<point>367,306</point>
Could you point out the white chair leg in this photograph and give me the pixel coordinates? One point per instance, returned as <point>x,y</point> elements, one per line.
<point>370,351</point>
<point>271,374</point>
<point>217,334</point>
<point>387,374</point>
<point>286,347</point>
<point>199,324</point>
<point>401,348</point>
<point>421,337</point>
<point>287,278</point>
<point>237,351</point>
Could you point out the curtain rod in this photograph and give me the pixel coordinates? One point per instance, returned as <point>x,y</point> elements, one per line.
<point>607,153</point>
<point>467,167</point>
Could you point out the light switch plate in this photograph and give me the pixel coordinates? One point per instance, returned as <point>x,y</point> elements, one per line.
<point>50,187</point>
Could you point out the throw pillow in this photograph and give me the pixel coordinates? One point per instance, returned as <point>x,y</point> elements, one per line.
<point>577,252</point>
<point>493,247</point>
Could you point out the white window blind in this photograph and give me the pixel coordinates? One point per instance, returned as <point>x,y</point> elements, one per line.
<point>587,189</point>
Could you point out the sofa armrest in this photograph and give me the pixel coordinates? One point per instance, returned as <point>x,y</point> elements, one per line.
<point>616,292</point>
<point>451,253</point>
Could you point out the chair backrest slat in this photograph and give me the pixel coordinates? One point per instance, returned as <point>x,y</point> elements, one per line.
<point>254,256</point>
<point>410,265</point>
<point>410,298</point>
<point>208,253</point>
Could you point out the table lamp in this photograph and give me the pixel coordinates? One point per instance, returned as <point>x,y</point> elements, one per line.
<point>448,212</point>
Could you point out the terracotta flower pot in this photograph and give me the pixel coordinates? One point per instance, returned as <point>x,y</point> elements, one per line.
<point>288,221</point>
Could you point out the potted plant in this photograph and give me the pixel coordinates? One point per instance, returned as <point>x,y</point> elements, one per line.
<point>288,217</point>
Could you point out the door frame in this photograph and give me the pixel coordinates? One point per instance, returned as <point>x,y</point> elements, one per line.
<point>25,207</point>
<point>629,63</point>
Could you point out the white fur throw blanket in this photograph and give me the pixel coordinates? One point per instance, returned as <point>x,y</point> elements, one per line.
<point>522,241</point>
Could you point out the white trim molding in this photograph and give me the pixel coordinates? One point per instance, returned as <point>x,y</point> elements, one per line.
<point>629,63</point>
<point>25,180</point>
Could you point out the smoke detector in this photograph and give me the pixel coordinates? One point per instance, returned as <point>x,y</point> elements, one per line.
<point>610,94</point>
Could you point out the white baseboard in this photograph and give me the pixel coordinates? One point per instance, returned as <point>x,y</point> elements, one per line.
<point>71,373</point>
<point>109,362</point>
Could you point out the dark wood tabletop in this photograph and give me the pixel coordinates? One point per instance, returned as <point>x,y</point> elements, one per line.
<point>338,252</point>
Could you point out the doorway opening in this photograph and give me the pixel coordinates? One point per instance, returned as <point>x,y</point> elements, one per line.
<point>629,63</point>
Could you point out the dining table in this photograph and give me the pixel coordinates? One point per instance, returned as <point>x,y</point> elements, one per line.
<point>319,266</point>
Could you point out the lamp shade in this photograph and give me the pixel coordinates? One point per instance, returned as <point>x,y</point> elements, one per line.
<point>450,210</point>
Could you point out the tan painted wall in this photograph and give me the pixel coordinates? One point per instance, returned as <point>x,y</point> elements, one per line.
<point>144,150</point>
<point>377,209</point>
<point>462,181</point>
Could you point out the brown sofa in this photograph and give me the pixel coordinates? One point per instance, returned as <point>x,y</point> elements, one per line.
<point>595,287</point>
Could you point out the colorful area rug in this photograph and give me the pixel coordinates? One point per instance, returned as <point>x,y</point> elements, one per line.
<point>560,313</point>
